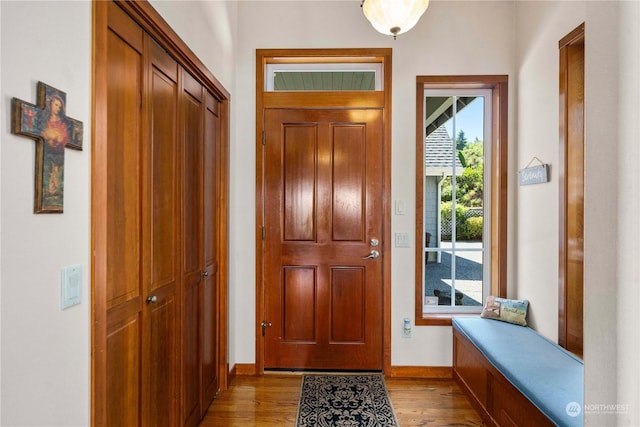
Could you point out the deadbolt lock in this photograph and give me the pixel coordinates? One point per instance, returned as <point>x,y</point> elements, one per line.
<point>264,324</point>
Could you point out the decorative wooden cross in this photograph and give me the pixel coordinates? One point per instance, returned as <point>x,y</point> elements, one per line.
<point>48,124</point>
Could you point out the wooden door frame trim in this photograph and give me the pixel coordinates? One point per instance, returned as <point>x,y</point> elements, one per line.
<point>151,22</point>
<point>383,55</point>
<point>576,36</point>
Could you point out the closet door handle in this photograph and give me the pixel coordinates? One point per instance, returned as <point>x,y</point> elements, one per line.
<point>205,274</point>
<point>152,299</point>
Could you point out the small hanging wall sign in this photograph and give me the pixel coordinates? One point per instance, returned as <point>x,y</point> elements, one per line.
<point>534,174</point>
<point>53,131</point>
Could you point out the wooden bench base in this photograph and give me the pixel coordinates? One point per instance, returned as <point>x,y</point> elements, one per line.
<point>497,401</point>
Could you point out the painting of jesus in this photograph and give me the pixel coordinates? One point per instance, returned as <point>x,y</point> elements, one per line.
<point>49,125</point>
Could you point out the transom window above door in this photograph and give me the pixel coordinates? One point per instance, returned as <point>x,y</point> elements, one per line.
<point>323,76</point>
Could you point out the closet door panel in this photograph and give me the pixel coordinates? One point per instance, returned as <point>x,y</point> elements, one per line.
<point>161,406</point>
<point>192,133</point>
<point>210,347</point>
<point>123,164</point>
<point>163,206</point>
<point>123,350</point>
<point>161,244</point>
<point>123,220</point>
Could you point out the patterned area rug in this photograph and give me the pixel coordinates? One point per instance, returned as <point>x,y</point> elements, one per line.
<point>344,401</point>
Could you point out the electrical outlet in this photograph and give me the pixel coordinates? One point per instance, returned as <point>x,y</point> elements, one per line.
<point>402,240</point>
<point>406,328</point>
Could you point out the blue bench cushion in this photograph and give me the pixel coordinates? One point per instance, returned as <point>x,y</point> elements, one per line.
<point>548,375</point>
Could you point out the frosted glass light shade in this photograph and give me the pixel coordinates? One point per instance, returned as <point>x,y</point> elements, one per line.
<point>393,17</point>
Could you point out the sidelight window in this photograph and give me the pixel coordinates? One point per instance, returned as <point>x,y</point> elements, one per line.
<point>456,126</point>
<point>459,213</point>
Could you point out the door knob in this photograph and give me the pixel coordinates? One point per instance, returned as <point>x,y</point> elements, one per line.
<point>205,274</point>
<point>152,299</point>
<point>372,255</point>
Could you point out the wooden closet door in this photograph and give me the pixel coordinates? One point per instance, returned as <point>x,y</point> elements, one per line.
<point>161,263</point>
<point>158,229</point>
<point>192,273</point>
<point>210,339</point>
<point>122,249</point>
<point>142,225</point>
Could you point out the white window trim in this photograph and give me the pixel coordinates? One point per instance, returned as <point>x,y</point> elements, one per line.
<point>486,248</point>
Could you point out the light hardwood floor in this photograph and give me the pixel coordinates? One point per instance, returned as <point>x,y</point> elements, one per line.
<point>272,400</point>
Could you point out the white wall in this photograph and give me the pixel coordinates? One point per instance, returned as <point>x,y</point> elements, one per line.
<point>451,38</point>
<point>2,110</point>
<point>612,196</point>
<point>540,25</point>
<point>627,378</point>
<point>45,351</point>
<point>612,48</point>
<point>209,28</point>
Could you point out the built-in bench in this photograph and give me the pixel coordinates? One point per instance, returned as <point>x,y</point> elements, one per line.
<point>516,377</point>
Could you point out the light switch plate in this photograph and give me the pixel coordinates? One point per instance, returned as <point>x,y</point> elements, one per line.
<point>70,286</point>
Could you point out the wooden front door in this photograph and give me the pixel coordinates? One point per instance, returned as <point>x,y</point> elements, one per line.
<point>323,235</point>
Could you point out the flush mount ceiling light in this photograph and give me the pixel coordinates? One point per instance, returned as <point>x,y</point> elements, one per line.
<point>393,17</point>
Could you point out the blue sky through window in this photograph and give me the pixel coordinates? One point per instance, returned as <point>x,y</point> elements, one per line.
<point>469,119</point>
